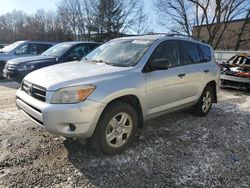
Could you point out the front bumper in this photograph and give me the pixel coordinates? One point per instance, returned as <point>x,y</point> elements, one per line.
<point>14,75</point>
<point>56,118</point>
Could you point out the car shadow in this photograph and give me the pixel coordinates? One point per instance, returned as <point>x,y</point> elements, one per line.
<point>169,145</point>
<point>236,91</point>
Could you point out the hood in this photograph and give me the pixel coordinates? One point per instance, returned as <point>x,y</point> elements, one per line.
<point>72,73</point>
<point>3,56</point>
<point>33,59</point>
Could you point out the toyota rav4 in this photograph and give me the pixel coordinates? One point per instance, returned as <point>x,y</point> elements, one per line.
<point>106,97</point>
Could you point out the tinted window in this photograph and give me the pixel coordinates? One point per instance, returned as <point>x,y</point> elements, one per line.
<point>205,52</point>
<point>93,46</point>
<point>193,53</point>
<point>42,47</point>
<point>79,51</point>
<point>167,50</point>
<point>28,49</point>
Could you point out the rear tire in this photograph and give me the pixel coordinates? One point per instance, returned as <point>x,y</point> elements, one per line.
<point>203,106</point>
<point>116,128</point>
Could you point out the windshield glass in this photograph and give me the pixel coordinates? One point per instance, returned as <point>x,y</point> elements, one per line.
<point>57,50</point>
<point>11,46</point>
<point>120,52</point>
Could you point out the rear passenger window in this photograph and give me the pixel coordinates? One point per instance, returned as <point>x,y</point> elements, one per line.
<point>193,53</point>
<point>42,48</point>
<point>190,53</point>
<point>167,50</point>
<point>93,46</point>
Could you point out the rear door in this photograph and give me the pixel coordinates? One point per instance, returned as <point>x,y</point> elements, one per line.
<point>194,70</point>
<point>164,88</point>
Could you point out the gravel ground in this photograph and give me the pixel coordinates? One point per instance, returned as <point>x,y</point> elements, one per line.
<point>176,150</point>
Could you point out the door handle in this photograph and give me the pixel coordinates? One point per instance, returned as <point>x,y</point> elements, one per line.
<point>181,75</point>
<point>206,71</point>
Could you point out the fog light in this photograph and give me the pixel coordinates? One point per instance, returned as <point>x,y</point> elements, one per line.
<point>72,127</point>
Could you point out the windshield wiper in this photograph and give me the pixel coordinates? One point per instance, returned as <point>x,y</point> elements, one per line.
<point>101,61</point>
<point>107,63</point>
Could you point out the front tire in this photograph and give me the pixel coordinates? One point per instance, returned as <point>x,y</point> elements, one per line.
<point>203,106</point>
<point>116,128</point>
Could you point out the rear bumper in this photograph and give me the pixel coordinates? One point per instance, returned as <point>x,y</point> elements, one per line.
<point>235,79</point>
<point>235,82</point>
<point>56,118</point>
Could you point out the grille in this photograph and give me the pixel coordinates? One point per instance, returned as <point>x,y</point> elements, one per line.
<point>35,91</point>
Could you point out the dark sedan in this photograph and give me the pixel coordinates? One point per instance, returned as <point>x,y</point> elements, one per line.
<point>17,69</point>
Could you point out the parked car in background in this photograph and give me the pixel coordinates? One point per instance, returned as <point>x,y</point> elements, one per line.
<point>235,73</point>
<point>22,49</point>
<point>17,69</point>
<point>106,97</point>
<point>2,45</point>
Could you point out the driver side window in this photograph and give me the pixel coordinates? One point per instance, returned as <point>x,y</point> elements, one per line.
<point>27,49</point>
<point>168,50</point>
<point>79,52</point>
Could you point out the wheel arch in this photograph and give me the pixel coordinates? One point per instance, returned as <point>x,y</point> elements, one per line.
<point>132,100</point>
<point>213,85</point>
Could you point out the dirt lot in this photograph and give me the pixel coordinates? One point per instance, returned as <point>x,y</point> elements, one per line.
<point>177,150</point>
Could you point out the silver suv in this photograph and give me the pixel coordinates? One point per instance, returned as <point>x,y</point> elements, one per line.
<point>106,97</point>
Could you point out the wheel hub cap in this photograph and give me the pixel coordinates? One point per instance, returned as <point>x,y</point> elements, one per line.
<point>206,101</point>
<point>119,129</point>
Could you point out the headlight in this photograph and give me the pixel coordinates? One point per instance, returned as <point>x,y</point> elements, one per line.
<point>71,95</point>
<point>25,67</point>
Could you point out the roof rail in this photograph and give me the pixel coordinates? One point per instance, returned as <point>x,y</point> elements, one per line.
<point>177,34</point>
<point>174,35</point>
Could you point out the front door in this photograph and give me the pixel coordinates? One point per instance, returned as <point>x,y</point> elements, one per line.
<point>164,87</point>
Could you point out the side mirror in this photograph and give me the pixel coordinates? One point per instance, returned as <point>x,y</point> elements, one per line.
<point>72,57</point>
<point>18,52</point>
<point>79,58</point>
<point>159,64</point>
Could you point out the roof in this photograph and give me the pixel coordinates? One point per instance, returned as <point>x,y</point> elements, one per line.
<point>80,42</point>
<point>41,42</point>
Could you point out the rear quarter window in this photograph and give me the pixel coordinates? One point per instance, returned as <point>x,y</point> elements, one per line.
<point>205,53</point>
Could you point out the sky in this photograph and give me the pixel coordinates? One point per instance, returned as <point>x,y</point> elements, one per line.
<point>31,6</point>
<point>28,6</point>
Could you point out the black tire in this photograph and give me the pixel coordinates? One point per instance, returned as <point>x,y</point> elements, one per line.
<point>198,107</point>
<point>99,138</point>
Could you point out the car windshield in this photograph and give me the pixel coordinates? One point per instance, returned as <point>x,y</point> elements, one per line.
<point>122,52</point>
<point>11,47</point>
<point>57,50</point>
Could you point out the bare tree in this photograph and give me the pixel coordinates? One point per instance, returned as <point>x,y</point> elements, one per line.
<point>70,13</point>
<point>90,16</point>
<point>175,14</point>
<point>213,15</point>
<point>218,16</point>
<point>141,25</point>
<point>41,26</point>
<point>116,16</point>
<point>242,30</point>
